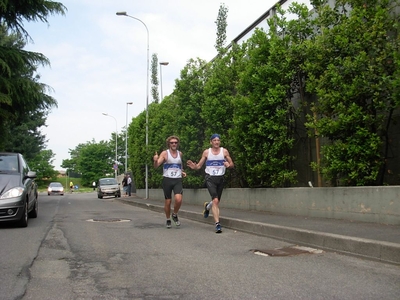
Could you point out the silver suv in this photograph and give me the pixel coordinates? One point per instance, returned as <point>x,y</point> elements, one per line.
<point>108,187</point>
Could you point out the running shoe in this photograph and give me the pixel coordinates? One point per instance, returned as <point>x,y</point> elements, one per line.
<point>175,219</point>
<point>218,228</point>
<point>206,212</point>
<point>168,223</point>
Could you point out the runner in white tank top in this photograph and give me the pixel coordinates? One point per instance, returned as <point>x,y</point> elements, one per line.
<point>172,178</point>
<point>173,165</point>
<point>215,163</point>
<point>217,160</point>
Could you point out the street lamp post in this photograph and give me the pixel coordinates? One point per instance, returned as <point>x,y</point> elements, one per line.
<point>163,63</point>
<point>126,137</point>
<point>115,166</point>
<point>124,13</point>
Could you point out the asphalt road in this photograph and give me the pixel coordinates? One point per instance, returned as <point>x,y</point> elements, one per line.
<point>81,247</point>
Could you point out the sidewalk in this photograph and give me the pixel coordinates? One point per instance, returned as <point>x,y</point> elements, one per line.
<point>369,240</point>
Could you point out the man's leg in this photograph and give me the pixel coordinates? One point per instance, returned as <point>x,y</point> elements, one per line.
<point>167,189</point>
<point>167,208</point>
<point>213,188</point>
<point>178,192</point>
<point>215,209</point>
<point>177,203</point>
<point>216,201</point>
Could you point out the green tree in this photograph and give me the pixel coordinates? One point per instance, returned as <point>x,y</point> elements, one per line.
<point>222,24</point>
<point>71,164</point>
<point>24,104</point>
<point>353,70</point>
<point>13,13</point>
<point>189,124</point>
<point>137,148</point>
<point>263,114</point>
<point>94,163</point>
<point>220,91</point>
<point>91,160</point>
<point>162,124</point>
<point>154,78</point>
<point>22,96</point>
<point>299,31</point>
<point>220,85</point>
<point>41,164</point>
<point>24,135</point>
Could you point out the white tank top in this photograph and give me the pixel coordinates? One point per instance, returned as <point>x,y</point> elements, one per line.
<point>173,166</point>
<point>215,163</point>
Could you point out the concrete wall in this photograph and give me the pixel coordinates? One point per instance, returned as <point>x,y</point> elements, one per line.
<point>367,204</point>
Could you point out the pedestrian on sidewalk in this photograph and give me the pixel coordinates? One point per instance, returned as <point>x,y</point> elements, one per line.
<point>129,184</point>
<point>172,178</point>
<point>217,159</point>
<point>125,185</point>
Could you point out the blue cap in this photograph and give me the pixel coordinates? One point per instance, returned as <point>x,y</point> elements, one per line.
<point>215,135</point>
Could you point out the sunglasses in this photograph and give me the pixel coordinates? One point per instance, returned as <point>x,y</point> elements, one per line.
<point>173,142</point>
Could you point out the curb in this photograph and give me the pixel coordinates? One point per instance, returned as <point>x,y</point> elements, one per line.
<point>365,248</point>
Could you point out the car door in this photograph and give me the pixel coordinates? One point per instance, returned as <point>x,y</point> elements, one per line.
<point>28,182</point>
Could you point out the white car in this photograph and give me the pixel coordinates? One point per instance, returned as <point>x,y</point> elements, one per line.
<point>55,188</point>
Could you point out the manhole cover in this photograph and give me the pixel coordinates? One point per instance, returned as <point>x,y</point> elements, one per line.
<point>286,251</point>
<point>109,220</point>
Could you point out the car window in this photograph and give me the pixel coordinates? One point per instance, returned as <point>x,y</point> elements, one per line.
<point>9,163</point>
<point>55,184</point>
<point>108,181</point>
<point>24,165</point>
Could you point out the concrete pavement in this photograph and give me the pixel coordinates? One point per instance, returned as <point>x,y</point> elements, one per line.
<point>368,240</point>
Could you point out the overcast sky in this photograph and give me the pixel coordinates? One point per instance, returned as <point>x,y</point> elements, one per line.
<point>98,59</point>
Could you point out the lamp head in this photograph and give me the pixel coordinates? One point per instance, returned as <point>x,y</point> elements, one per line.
<point>121,13</point>
<point>164,63</point>
<point>129,103</point>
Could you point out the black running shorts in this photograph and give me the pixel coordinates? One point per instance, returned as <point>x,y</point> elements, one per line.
<point>215,185</point>
<point>172,184</point>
